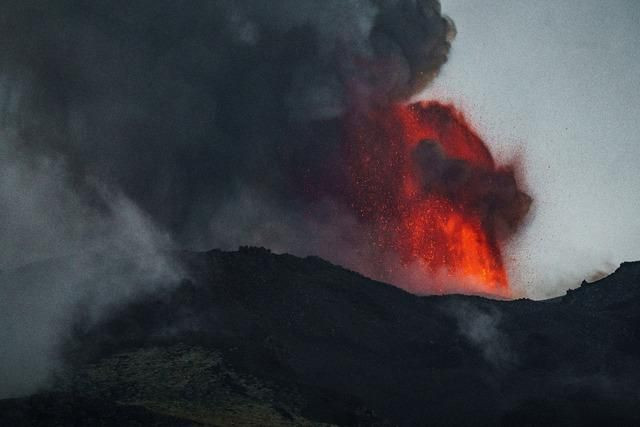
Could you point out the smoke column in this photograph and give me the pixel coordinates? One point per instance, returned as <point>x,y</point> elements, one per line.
<point>215,118</point>
<point>129,129</point>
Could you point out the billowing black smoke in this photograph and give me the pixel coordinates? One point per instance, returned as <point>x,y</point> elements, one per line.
<point>183,105</point>
<point>132,127</point>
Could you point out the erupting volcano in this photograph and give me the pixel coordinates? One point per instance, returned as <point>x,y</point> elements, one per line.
<point>433,195</point>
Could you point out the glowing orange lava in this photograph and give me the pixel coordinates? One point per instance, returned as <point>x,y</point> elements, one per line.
<point>433,195</point>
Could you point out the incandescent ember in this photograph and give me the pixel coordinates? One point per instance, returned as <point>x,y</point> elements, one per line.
<point>432,194</point>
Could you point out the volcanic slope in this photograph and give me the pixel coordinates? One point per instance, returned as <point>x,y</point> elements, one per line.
<point>255,338</point>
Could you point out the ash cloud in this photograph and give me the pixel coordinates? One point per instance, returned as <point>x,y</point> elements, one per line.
<point>178,104</point>
<point>493,194</point>
<point>129,128</point>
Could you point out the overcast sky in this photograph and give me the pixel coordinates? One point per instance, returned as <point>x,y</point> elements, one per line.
<point>558,81</point>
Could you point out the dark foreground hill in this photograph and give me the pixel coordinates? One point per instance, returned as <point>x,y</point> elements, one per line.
<point>254,338</point>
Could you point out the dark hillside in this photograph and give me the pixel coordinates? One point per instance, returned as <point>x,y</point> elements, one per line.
<point>254,338</point>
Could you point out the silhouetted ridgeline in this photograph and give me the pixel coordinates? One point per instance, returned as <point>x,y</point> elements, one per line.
<point>255,338</point>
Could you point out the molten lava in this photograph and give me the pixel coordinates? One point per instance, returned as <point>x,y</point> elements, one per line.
<point>432,194</point>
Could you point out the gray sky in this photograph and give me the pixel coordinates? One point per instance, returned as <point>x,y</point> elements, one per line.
<point>557,82</point>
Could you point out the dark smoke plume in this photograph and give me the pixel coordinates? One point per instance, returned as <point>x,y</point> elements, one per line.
<point>132,127</point>
<point>180,104</point>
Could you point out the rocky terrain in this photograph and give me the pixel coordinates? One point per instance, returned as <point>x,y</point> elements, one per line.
<point>254,338</point>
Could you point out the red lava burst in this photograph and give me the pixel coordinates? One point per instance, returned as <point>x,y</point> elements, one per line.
<point>433,196</point>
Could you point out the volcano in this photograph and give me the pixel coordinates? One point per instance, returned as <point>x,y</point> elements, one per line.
<point>254,338</point>
<point>432,193</point>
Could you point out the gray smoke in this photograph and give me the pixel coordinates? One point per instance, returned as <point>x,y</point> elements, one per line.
<point>58,251</point>
<point>128,129</point>
<point>480,326</point>
<point>179,104</point>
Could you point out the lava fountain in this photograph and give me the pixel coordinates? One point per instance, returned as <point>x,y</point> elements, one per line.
<point>433,196</point>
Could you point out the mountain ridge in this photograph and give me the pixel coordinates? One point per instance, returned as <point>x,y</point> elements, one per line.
<point>329,346</point>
